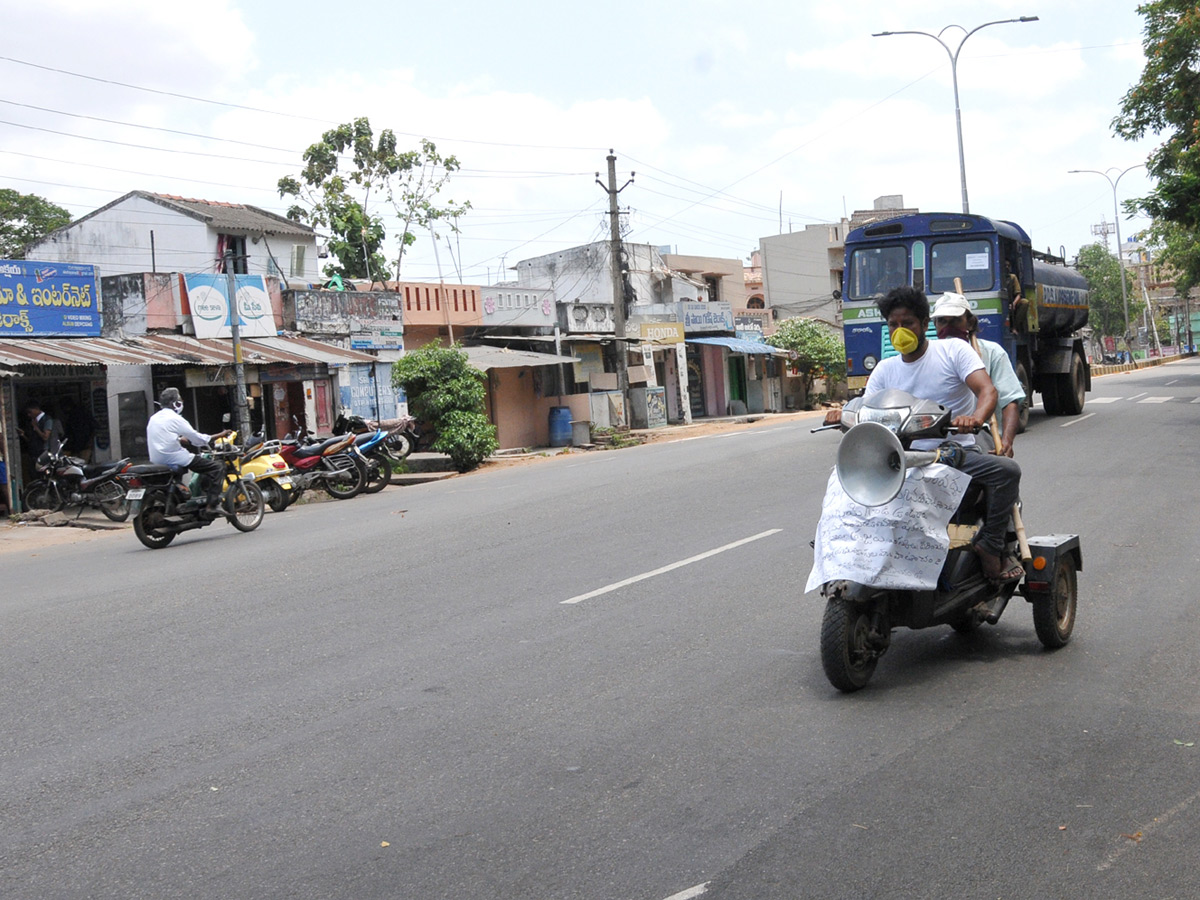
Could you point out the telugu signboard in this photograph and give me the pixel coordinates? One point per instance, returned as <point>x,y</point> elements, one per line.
<point>706,316</point>
<point>209,301</point>
<point>42,299</point>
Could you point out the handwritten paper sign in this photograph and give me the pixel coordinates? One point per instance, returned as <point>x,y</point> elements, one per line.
<point>901,544</point>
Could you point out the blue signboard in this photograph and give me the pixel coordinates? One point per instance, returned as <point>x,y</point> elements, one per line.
<point>44,299</point>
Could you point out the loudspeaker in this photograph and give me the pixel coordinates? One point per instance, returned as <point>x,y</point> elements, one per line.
<point>871,463</point>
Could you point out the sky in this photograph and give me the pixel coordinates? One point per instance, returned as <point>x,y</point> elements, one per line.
<point>739,120</point>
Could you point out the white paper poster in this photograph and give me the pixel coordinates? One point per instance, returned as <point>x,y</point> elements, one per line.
<point>899,545</point>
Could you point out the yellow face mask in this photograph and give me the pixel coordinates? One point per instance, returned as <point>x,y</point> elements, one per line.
<point>904,340</point>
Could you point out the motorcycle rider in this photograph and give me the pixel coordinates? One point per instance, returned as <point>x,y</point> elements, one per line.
<point>165,433</point>
<point>951,374</point>
<point>952,317</point>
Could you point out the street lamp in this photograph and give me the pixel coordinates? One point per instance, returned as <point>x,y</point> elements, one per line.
<point>1117,221</point>
<point>953,54</point>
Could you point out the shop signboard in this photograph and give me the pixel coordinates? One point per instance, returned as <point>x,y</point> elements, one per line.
<point>48,299</point>
<point>748,328</point>
<point>699,317</point>
<point>376,334</point>
<point>208,298</point>
<point>661,332</point>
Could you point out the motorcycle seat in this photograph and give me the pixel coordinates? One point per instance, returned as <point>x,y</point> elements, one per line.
<point>316,449</point>
<point>91,470</point>
<point>149,469</point>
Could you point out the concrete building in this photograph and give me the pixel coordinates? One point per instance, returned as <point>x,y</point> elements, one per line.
<point>145,232</point>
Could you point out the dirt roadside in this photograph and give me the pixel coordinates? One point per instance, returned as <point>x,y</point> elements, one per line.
<point>32,538</point>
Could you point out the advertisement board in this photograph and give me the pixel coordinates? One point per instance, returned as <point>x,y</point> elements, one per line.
<point>208,298</point>
<point>44,299</point>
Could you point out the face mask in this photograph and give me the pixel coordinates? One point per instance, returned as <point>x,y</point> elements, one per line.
<point>945,332</point>
<point>177,406</point>
<point>904,340</point>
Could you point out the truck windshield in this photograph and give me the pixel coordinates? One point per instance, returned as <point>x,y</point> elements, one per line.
<point>971,261</point>
<point>876,270</point>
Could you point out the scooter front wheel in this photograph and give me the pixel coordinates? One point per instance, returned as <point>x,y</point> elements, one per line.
<point>244,503</point>
<point>846,652</point>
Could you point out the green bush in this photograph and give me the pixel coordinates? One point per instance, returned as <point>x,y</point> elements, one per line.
<point>468,438</point>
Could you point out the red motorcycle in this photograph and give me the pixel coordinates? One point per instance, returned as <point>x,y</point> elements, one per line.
<point>329,463</point>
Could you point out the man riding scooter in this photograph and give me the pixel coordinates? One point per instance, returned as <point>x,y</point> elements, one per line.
<point>165,434</point>
<point>950,373</point>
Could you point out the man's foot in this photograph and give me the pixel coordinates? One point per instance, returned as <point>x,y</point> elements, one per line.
<point>1001,571</point>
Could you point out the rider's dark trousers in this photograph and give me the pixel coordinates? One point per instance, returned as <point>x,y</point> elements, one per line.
<point>1001,477</point>
<point>211,475</point>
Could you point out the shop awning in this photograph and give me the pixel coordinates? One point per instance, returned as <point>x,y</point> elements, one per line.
<point>484,358</point>
<point>739,345</point>
<point>172,349</point>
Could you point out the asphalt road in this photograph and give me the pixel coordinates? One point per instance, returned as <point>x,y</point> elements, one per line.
<point>389,697</point>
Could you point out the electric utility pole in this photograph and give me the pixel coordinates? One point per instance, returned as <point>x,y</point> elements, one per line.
<point>239,370</point>
<point>618,279</point>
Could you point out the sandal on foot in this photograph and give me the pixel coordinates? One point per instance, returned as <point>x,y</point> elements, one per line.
<point>1001,571</point>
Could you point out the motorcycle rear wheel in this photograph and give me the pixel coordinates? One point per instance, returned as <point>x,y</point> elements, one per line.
<point>149,527</point>
<point>348,481</point>
<point>379,473</point>
<point>244,503</point>
<point>110,497</point>
<point>1054,611</point>
<point>43,495</point>
<point>848,660</point>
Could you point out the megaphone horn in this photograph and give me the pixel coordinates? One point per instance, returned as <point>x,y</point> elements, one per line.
<point>871,464</point>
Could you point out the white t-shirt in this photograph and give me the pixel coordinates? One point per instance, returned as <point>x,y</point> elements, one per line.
<point>939,375</point>
<point>162,436</point>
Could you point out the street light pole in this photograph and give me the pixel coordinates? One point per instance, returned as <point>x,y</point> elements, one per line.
<point>1117,221</point>
<point>953,54</point>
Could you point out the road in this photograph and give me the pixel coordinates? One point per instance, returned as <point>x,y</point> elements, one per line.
<point>391,697</point>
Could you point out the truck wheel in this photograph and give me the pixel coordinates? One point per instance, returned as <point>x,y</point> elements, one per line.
<point>1023,377</point>
<point>846,656</point>
<point>1054,611</point>
<point>1071,388</point>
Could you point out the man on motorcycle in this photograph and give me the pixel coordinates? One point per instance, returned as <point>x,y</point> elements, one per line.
<point>951,374</point>
<point>165,434</point>
<point>952,317</point>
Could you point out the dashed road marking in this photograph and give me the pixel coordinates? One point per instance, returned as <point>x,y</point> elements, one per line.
<point>1155,399</point>
<point>675,565</point>
<point>1076,421</point>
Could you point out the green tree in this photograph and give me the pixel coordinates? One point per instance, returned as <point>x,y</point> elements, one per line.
<point>818,349</point>
<point>378,172</point>
<point>1177,249</point>
<point>1106,309</point>
<point>25,218</point>
<point>1165,101</point>
<point>445,392</point>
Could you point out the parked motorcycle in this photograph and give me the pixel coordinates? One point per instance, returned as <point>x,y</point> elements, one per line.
<point>893,546</point>
<point>163,506</point>
<point>330,464</point>
<point>263,460</point>
<point>400,438</point>
<point>69,481</point>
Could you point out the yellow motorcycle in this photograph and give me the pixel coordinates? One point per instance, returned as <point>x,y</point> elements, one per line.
<point>271,473</point>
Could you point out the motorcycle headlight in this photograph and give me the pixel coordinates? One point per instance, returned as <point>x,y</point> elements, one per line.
<point>890,419</point>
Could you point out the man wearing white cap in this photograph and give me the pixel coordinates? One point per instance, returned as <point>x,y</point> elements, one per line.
<point>952,317</point>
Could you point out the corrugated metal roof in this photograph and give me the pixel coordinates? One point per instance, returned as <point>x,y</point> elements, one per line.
<point>484,358</point>
<point>313,351</point>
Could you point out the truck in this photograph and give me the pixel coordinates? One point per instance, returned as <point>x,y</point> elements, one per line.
<point>1031,303</point>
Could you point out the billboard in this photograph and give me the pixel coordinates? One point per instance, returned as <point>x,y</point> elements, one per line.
<point>208,298</point>
<point>45,299</point>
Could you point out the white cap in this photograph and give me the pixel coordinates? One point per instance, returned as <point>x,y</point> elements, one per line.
<point>951,306</point>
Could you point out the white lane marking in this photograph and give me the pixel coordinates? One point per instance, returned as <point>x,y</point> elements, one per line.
<point>675,565</point>
<point>1104,399</point>
<point>610,457</point>
<point>1135,396</point>
<point>1168,384</point>
<point>690,892</point>
<point>1132,840</point>
<point>1197,400</point>
<point>1076,421</point>
<point>1154,399</point>
<point>698,437</point>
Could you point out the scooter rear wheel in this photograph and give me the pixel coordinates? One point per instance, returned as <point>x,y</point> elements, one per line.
<point>1054,611</point>
<point>275,495</point>
<point>149,527</point>
<point>847,657</point>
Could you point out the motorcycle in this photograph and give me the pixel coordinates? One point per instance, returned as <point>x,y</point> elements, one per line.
<point>69,481</point>
<point>329,463</point>
<point>382,445</point>
<point>893,545</point>
<point>271,473</point>
<point>163,506</point>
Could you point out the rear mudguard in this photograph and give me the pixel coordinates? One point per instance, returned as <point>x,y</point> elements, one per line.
<point>1045,552</point>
